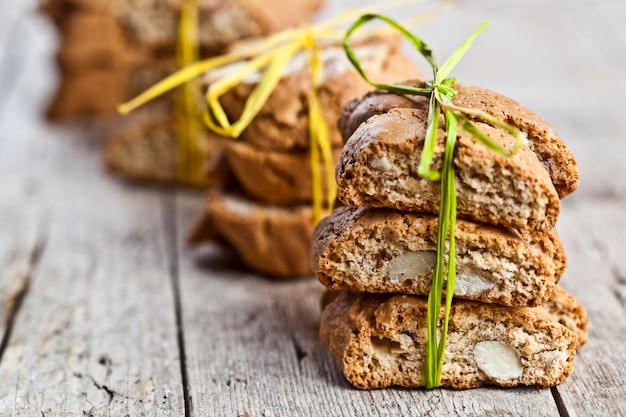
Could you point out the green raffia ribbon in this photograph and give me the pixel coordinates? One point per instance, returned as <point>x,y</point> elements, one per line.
<point>440,93</point>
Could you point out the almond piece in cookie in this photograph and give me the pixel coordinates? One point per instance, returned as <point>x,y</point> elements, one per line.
<point>378,166</point>
<point>381,250</point>
<point>380,341</point>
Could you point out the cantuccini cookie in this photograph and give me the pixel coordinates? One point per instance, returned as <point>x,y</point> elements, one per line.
<point>379,163</point>
<point>379,340</point>
<point>282,125</point>
<point>550,149</point>
<point>272,240</point>
<point>282,178</point>
<point>561,306</point>
<point>380,250</point>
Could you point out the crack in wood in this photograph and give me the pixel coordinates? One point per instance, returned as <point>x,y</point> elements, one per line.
<point>171,234</point>
<point>560,405</point>
<point>15,299</point>
<point>103,387</point>
<point>300,352</point>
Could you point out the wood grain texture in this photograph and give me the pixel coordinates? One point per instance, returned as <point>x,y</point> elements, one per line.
<point>593,234</point>
<point>96,332</point>
<point>24,239</point>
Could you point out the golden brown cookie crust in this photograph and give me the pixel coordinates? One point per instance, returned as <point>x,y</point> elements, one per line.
<point>568,311</point>
<point>271,240</point>
<point>550,149</point>
<point>154,23</point>
<point>148,154</point>
<point>282,124</point>
<point>379,163</point>
<point>282,178</point>
<point>379,341</point>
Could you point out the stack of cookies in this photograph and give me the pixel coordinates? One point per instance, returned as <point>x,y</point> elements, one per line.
<point>112,50</point>
<point>269,222</point>
<point>509,324</point>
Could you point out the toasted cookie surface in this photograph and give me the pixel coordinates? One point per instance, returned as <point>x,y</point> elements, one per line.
<point>378,167</point>
<point>149,153</point>
<point>274,177</point>
<point>269,239</point>
<point>379,341</point>
<point>380,250</point>
<point>550,149</point>
<point>282,124</point>
<point>568,311</point>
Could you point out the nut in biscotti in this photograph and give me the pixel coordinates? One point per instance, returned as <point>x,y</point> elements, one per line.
<point>411,265</point>
<point>381,250</point>
<point>515,192</point>
<point>379,341</point>
<point>498,360</point>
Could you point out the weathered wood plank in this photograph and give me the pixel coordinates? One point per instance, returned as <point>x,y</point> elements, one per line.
<point>593,234</point>
<point>96,332</point>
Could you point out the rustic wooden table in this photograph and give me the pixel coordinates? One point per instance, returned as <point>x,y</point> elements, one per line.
<point>103,311</point>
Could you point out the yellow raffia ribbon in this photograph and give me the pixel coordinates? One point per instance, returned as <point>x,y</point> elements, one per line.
<point>319,141</point>
<point>271,56</point>
<point>189,132</point>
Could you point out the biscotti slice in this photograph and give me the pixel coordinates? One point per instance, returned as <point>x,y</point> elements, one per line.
<point>282,125</point>
<point>378,166</point>
<point>550,149</point>
<point>272,240</point>
<point>282,178</point>
<point>380,341</point>
<point>380,250</point>
<point>149,154</point>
